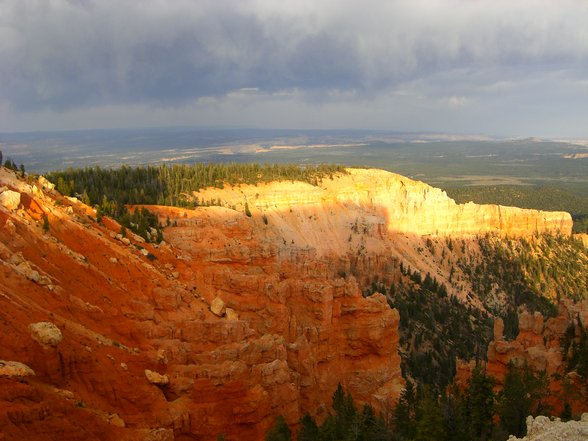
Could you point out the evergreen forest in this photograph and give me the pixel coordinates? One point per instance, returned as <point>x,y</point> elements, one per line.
<point>470,413</point>
<point>112,191</point>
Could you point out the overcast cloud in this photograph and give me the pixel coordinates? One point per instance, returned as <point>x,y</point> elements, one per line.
<point>496,67</point>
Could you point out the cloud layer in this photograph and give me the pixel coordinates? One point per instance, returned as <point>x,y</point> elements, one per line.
<point>61,57</point>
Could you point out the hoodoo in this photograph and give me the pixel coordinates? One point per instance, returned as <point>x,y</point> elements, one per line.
<point>227,323</point>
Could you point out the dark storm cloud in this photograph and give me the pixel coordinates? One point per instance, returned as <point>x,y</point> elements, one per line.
<point>69,54</point>
<point>63,55</point>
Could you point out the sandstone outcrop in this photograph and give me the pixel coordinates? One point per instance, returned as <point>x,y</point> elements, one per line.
<point>217,307</point>
<point>538,345</point>
<point>46,334</point>
<point>46,184</point>
<point>529,346</point>
<point>156,378</point>
<point>10,199</point>
<point>380,201</point>
<point>293,322</point>
<point>542,428</point>
<point>14,369</point>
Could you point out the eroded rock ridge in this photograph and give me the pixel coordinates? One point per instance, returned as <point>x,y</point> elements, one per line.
<point>234,319</point>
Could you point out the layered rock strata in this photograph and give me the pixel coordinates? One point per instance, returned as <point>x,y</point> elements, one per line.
<point>379,201</point>
<point>217,335</point>
<point>236,319</point>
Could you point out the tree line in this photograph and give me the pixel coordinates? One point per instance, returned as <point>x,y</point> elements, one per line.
<point>476,412</point>
<point>174,185</point>
<point>113,190</point>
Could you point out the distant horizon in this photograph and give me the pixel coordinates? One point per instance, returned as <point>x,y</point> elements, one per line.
<point>493,136</point>
<point>435,157</point>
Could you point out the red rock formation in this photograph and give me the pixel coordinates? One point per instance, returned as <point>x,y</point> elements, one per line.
<point>538,344</point>
<point>287,329</point>
<point>291,332</point>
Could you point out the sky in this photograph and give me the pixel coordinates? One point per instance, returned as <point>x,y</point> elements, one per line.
<point>495,67</point>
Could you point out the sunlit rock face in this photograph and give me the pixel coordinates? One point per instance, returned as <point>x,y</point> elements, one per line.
<point>382,203</point>
<point>237,319</point>
<point>538,345</point>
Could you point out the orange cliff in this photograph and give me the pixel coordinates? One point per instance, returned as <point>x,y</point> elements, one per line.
<point>215,332</point>
<point>386,203</point>
<point>538,345</point>
<point>228,323</point>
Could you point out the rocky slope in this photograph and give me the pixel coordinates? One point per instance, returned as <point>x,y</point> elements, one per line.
<point>230,322</point>
<point>539,345</point>
<point>543,429</point>
<point>215,333</point>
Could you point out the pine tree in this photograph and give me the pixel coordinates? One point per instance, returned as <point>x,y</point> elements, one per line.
<point>308,429</point>
<point>479,404</point>
<point>430,425</point>
<point>404,413</point>
<point>279,431</point>
<point>566,413</point>
<point>345,413</point>
<point>515,402</point>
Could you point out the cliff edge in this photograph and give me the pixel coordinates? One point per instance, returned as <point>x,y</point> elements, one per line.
<point>230,321</point>
<point>379,201</point>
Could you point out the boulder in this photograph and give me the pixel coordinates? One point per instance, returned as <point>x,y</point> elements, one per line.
<point>45,183</point>
<point>16,258</point>
<point>155,378</point>
<point>28,272</point>
<point>46,334</point>
<point>12,369</point>
<point>231,314</point>
<point>542,428</point>
<point>217,307</point>
<point>10,199</point>
<point>38,192</point>
<point>25,269</point>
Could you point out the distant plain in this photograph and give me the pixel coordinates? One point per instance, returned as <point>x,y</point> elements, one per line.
<point>548,174</point>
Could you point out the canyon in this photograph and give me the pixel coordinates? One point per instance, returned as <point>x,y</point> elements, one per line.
<point>234,318</point>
